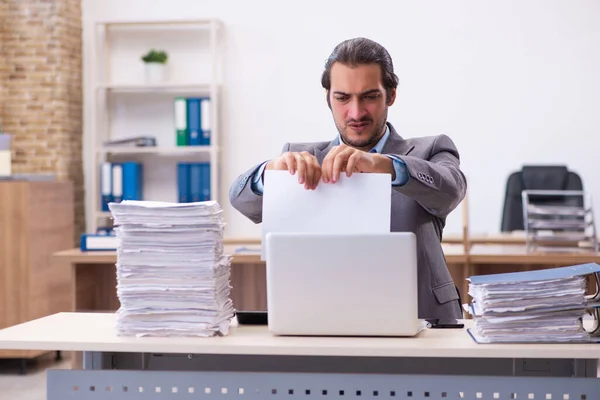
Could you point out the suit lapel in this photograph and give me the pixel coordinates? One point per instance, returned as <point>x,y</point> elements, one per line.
<point>396,145</point>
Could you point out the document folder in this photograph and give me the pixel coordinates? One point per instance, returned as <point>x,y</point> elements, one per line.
<point>543,306</point>
<point>528,276</point>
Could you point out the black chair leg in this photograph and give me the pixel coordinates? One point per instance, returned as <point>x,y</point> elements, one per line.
<point>22,366</point>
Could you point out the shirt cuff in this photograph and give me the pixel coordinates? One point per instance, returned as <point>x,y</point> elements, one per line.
<point>401,171</point>
<point>257,184</point>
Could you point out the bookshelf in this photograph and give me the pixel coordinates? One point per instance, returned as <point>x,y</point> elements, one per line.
<point>159,150</point>
<point>126,105</point>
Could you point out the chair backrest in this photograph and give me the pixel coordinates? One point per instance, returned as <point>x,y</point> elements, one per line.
<point>537,178</point>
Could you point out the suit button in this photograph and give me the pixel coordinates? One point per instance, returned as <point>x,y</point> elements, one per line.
<point>420,175</point>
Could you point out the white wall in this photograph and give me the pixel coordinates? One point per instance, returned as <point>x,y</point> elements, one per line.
<point>512,82</point>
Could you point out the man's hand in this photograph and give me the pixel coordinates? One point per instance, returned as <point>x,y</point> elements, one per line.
<point>347,159</point>
<point>307,165</point>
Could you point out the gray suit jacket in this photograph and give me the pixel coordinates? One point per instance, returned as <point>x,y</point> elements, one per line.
<point>435,187</point>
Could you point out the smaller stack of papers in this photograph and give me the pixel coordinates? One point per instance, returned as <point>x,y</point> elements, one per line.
<point>534,306</point>
<point>172,274</point>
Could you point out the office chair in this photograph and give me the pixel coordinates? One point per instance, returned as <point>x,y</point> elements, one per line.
<point>537,178</point>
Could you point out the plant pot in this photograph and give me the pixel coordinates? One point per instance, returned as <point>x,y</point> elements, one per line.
<point>155,72</point>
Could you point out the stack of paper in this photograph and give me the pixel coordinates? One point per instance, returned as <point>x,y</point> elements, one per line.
<point>172,274</point>
<point>535,306</point>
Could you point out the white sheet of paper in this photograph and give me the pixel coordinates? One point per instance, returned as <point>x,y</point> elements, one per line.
<point>360,203</point>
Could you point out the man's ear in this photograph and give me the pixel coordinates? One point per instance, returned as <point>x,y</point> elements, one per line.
<point>391,97</point>
<point>328,99</point>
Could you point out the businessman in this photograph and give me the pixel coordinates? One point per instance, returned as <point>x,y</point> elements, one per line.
<point>427,183</point>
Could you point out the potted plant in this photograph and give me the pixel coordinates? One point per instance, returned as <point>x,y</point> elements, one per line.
<point>156,63</point>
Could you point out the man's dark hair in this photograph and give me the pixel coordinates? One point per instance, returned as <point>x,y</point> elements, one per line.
<point>353,52</point>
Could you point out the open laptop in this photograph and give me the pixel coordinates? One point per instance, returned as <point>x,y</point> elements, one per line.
<point>342,284</point>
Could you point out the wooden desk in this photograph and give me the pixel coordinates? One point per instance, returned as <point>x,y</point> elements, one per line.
<point>251,362</point>
<point>494,255</point>
<point>515,238</point>
<point>500,253</point>
<point>93,278</point>
<point>94,274</point>
<point>110,257</point>
<point>494,259</point>
<point>517,255</point>
<point>454,254</point>
<point>491,238</point>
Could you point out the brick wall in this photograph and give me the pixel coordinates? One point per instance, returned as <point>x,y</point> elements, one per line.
<point>3,61</point>
<point>41,95</point>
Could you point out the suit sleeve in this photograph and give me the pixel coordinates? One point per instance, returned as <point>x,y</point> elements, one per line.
<point>247,201</point>
<point>437,183</point>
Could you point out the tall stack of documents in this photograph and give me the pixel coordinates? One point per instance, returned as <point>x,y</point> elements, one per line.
<point>172,273</point>
<point>534,306</point>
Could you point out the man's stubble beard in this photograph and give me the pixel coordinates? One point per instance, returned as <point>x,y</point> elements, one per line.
<point>370,142</point>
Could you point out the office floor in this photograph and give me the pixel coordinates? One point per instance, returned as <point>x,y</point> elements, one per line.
<point>31,386</point>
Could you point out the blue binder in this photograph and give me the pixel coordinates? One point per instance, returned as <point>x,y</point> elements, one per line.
<point>132,181</point>
<point>183,182</point>
<point>117,182</point>
<point>196,182</point>
<point>96,242</point>
<point>193,182</point>
<point>194,122</point>
<point>105,231</point>
<point>205,121</point>
<point>205,181</point>
<point>106,195</point>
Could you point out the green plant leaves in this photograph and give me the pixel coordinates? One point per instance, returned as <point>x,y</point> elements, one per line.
<point>157,56</point>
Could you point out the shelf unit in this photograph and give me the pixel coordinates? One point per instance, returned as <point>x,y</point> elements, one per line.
<point>159,150</point>
<point>125,105</point>
<point>559,220</point>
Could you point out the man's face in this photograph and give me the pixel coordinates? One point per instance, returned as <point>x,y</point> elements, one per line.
<point>358,103</point>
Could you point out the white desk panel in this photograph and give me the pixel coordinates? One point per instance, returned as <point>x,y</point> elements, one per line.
<point>95,332</point>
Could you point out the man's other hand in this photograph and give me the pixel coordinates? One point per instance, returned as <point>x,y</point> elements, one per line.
<point>347,159</point>
<point>307,166</point>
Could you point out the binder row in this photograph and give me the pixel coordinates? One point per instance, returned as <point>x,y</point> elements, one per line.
<point>192,121</point>
<point>120,181</point>
<point>193,182</point>
<point>124,181</point>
